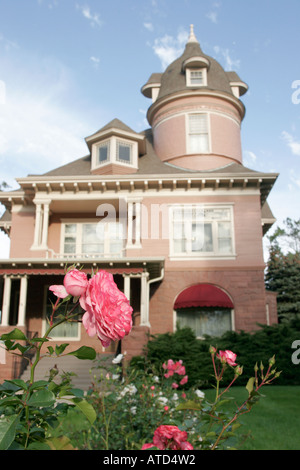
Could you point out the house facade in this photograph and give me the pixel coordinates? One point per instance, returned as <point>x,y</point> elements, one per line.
<point>171,211</point>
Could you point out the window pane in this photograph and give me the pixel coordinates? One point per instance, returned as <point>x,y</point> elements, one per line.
<point>70,239</point>
<point>196,77</point>
<point>90,241</point>
<point>205,320</point>
<point>224,245</point>
<point>198,133</point>
<point>179,246</point>
<point>224,237</point>
<point>124,152</point>
<point>199,143</point>
<point>202,237</point>
<point>70,228</point>
<point>103,153</point>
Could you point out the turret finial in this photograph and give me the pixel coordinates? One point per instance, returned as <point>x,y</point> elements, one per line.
<point>192,37</point>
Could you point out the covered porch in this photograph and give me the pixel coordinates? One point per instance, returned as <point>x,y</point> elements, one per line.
<point>24,292</point>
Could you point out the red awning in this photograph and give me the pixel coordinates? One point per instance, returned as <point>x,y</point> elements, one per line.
<point>203,295</point>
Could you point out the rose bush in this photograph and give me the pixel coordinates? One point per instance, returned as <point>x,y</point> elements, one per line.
<point>125,409</point>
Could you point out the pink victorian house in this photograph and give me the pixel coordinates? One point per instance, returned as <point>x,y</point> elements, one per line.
<point>171,212</point>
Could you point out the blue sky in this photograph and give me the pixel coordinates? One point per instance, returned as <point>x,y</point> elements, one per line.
<point>67,67</point>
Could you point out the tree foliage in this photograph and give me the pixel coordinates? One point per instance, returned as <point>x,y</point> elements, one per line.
<point>283,269</point>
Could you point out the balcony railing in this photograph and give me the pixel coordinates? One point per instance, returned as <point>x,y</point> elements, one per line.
<point>51,254</point>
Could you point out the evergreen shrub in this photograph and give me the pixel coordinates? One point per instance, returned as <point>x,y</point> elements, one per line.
<point>251,348</point>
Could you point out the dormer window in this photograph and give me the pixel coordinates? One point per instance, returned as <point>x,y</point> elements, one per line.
<point>196,77</point>
<point>114,150</point>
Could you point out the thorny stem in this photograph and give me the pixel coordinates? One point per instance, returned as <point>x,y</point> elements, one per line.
<point>238,412</point>
<point>39,347</point>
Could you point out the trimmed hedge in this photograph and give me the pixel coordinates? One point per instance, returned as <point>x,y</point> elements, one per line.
<point>250,348</point>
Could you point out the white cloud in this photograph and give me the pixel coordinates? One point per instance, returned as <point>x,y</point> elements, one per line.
<point>292,143</point>
<point>249,158</point>
<point>229,62</point>
<point>95,61</point>
<point>7,44</point>
<point>94,18</point>
<point>294,178</point>
<point>169,48</point>
<point>37,132</point>
<point>148,26</point>
<point>212,16</point>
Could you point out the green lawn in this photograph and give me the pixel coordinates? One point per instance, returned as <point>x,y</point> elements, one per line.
<point>273,421</point>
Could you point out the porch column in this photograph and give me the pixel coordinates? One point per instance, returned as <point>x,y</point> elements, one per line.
<point>144,300</point>
<point>6,301</point>
<point>37,228</point>
<point>138,224</point>
<point>129,224</point>
<point>45,225</point>
<point>127,285</point>
<point>22,301</point>
<point>41,224</point>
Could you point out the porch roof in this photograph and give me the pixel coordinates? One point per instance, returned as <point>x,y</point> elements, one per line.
<point>39,266</point>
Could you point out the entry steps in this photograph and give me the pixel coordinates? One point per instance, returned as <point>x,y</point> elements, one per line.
<point>85,370</point>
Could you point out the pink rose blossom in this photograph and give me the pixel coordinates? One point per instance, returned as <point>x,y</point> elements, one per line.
<point>75,282</point>
<point>184,380</point>
<point>147,446</point>
<point>167,437</point>
<point>175,385</point>
<point>108,313</point>
<point>227,357</point>
<point>59,291</point>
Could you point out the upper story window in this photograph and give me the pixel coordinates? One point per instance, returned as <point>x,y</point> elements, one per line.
<point>202,230</point>
<point>89,239</point>
<point>198,133</point>
<point>124,152</point>
<point>196,77</point>
<point>103,153</point>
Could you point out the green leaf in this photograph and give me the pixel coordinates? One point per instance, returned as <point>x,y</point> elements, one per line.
<point>250,384</point>
<point>189,405</point>
<point>14,334</point>
<point>60,349</point>
<point>85,352</point>
<point>19,383</point>
<point>41,398</point>
<point>8,427</point>
<point>86,408</point>
<point>37,445</point>
<point>39,384</point>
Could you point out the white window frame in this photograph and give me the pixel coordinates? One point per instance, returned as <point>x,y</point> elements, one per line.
<point>78,250</point>
<point>215,254</point>
<point>190,133</point>
<point>189,74</point>
<point>113,154</point>
<point>45,325</point>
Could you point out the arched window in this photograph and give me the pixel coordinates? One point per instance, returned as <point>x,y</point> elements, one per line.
<point>206,309</point>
